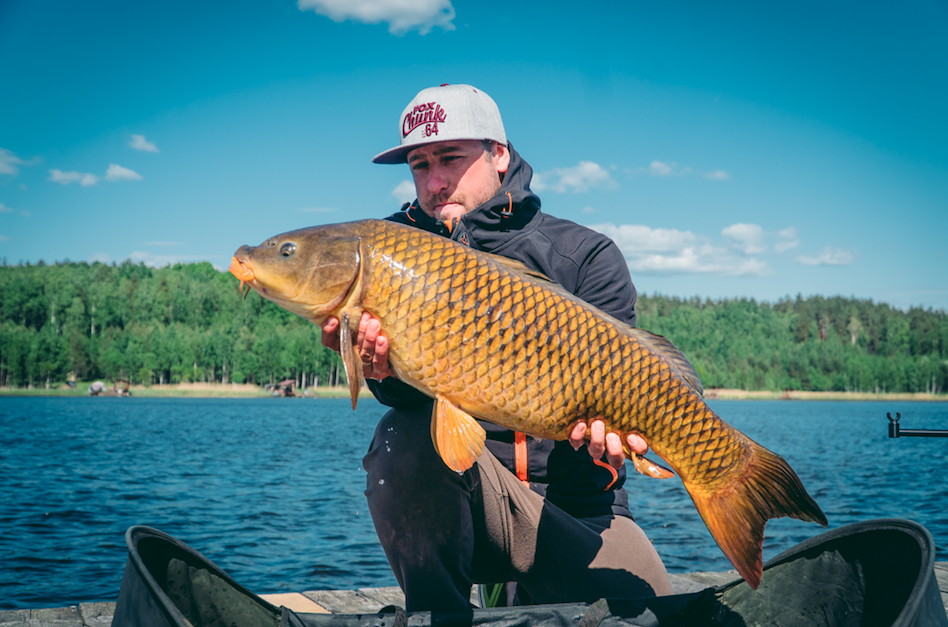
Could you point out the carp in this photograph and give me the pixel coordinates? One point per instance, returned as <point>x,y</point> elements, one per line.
<point>488,338</point>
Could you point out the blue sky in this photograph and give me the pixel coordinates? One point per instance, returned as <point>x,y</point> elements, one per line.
<point>731,149</point>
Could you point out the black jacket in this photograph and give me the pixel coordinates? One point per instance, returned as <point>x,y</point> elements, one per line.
<point>586,263</point>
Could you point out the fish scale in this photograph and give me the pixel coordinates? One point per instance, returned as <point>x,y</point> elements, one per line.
<point>494,331</point>
<point>490,339</point>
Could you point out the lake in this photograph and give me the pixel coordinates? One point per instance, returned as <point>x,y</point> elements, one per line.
<point>271,489</point>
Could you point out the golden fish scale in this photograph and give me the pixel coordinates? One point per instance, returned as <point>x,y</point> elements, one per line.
<point>530,358</point>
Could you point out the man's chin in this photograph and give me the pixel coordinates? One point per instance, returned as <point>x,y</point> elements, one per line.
<point>449,211</point>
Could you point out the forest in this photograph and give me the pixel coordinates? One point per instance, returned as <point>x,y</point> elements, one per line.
<point>188,323</point>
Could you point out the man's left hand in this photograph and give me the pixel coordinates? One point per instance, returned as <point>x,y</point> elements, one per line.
<point>608,444</point>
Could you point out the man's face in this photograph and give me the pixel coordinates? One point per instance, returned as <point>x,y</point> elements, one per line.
<point>454,177</point>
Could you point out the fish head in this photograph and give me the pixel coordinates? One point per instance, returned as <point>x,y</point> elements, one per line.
<point>311,272</point>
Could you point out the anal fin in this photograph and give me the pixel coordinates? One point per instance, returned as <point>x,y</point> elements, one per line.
<point>456,435</point>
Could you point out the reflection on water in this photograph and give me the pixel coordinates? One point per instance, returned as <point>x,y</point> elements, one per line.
<point>271,489</point>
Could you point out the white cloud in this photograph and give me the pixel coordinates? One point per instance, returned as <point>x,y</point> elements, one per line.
<point>65,178</point>
<point>829,256</point>
<point>118,173</point>
<point>670,251</point>
<point>3,238</point>
<point>577,179</point>
<point>658,168</point>
<point>114,173</point>
<point>783,247</point>
<point>9,162</point>
<point>400,15</point>
<point>636,238</point>
<point>5,209</point>
<point>789,235</point>
<point>140,143</point>
<point>404,192</point>
<point>158,261</point>
<point>101,258</point>
<point>588,210</point>
<point>745,237</point>
<point>662,169</point>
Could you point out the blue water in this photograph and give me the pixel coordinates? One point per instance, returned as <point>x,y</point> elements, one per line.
<point>271,489</point>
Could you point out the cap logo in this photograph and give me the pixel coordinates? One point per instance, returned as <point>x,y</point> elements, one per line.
<point>430,114</point>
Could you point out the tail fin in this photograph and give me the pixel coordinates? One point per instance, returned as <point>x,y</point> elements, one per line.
<point>736,513</point>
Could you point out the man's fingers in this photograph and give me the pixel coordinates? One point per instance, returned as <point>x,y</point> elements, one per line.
<point>577,437</point>
<point>597,439</point>
<point>637,443</point>
<point>330,335</point>
<point>380,360</point>
<point>373,329</point>
<point>363,343</point>
<point>614,453</point>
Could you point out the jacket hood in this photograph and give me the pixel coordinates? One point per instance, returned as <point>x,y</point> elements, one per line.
<point>513,207</point>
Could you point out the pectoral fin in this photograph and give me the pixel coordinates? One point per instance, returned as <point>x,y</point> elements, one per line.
<point>649,468</point>
<point>457,437</point>
<point>350,359</point>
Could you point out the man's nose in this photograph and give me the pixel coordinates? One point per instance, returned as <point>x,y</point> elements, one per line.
<point>437,181</point>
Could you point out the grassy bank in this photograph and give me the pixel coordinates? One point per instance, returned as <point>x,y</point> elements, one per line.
<point>798,395</point>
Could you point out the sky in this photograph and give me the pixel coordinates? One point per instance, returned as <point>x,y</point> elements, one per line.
<point>735,149</point>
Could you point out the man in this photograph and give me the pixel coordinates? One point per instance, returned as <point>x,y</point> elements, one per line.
<point>551,516</point>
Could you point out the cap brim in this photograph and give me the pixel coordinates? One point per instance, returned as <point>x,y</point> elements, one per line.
<point>399,154</point>
<point>396,155</point>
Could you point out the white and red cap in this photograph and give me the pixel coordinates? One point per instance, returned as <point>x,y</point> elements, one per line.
<point>445,113</point>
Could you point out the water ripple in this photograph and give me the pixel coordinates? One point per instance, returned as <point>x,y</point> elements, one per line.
<point>271,489</point>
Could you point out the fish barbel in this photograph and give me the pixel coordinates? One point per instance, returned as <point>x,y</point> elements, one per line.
<point>488,338</point>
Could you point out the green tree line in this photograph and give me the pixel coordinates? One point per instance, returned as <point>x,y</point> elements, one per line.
<point>188,322</point>
<point>818,344</point>
<point>183,323</point>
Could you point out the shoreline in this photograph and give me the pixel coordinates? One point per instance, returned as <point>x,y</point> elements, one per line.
<point>801,395</point>
<point>179,390</point>
<point>248,390</point>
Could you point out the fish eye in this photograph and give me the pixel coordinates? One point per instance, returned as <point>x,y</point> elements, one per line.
<point>288,249</point>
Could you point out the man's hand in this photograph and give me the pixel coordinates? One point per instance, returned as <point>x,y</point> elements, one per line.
<point>609,444</point>
<point>371,345</point>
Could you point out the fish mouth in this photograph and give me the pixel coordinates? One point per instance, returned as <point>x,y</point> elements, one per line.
<point>243,272</point>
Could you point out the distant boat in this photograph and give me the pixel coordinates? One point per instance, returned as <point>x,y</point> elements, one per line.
<point>287,388</point>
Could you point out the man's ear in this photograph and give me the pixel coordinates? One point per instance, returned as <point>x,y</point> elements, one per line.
<point>501,157</point>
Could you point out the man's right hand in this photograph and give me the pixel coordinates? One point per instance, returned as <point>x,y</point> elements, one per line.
<point>371,345</point>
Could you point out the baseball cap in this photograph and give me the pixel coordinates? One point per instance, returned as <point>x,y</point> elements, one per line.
<point>445,113</point>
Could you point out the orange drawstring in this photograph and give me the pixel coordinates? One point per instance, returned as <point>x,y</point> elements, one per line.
<point>520,453</point>
<point>509,210</point>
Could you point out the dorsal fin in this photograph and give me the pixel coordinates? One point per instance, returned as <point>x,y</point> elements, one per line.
<point>664,347</point>
<point>519,266</point>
